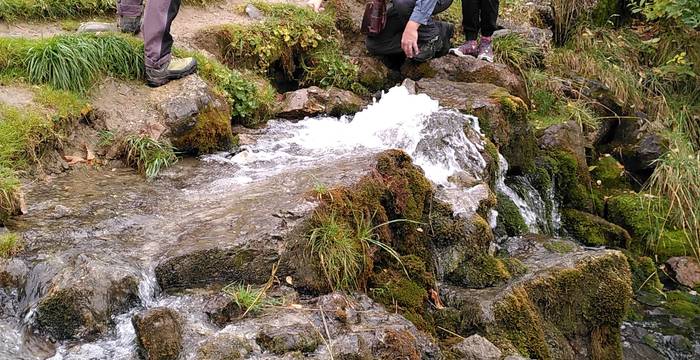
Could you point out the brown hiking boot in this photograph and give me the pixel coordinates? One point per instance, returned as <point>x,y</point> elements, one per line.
<point>175,69</point>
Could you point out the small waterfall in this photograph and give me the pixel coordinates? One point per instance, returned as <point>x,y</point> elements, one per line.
<point>526,211</point>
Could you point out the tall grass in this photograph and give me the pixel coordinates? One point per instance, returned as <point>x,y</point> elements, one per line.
<point>514,50</point>
<point>9,193</point>
<point>676,178</point>
<point>10,245</point>
<point>54,9</point>
<point>149,156</point>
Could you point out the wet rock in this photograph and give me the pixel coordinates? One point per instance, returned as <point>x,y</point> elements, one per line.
<point>565,305</point>
<point>686,270</point>
<point>180,102</point>
<point>216,266</point>
<point>567,137</point>
<point>284,339</point>
<point>13,273</point>
<point>81,295</point>
<point>501,116</point>
<point>476,347</point>
<point>592,230</point>
<point>224,346</point>
<point>159,334</point>
<point>221,309</point>
<point>374,75</point>
<point>314,101</point>
<point>468,70</point>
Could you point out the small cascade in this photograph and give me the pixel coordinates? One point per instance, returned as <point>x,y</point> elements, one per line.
<point>528,212</point>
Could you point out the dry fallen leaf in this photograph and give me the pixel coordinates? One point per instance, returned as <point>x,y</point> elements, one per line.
<point>72,160</point>
<point>435,297</point>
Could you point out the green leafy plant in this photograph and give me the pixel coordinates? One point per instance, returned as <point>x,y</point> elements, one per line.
<point>149,156</point>
<point>684,11</point>
<point>248,299</point>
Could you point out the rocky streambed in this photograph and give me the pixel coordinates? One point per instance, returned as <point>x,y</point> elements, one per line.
<point>115,267</point>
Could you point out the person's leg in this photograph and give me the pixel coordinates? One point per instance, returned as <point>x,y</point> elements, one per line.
<point>470,19</point>
<point>129,12</point>
<point>388,41</point>
<point>489,17</point>
<point>158,43</point>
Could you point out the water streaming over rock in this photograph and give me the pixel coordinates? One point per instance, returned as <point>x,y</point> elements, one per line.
<point>446,144</point>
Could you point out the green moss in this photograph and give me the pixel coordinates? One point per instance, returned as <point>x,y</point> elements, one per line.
<point>561,169</point>
<point>611,174</point>
<point>392,288</point>
<point>682,308</point>
<point>522,146</point>
<point>641,218</point>
<point>480,272</point>
<point>559,246</point>
<point>60,315</point>
<point>594,231</point>
<point>644,274</point>
<point>519,322</point>
<point>212,133</point>
<point>509,219</point>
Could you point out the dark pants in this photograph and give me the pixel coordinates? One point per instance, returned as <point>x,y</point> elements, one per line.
<point>157,18</point>
<point>479,15</point>
<point>388,42</point>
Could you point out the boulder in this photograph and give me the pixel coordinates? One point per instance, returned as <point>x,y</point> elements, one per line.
<point>77,296</point>
<point>476,347</point>
<point>159,334</point>
<point>224,346</point>
<point>316,101</point>
<point>686,270</point>
<point>502,117</point>
<point>283,339</point>
<point>13,273</point>
<point>567,137</point>
<point>468,70</point>
<point>592,230</point>
<point>565,305</point>
<point>374,75</point>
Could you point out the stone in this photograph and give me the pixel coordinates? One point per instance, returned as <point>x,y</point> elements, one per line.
<point>502,117</point>
<point>253,12</point>
<point>553,307</point>
<point>468,70</point>
<point>315,101</point>
<point>97,27</point>
<point>13,273</point>
<point>158,334</point>
<point>373,74</point>
<point>592,230</point>
<point>283,339</point>
<point>224,346</point>
<point>82,293</point>
<point>567,137</point>
<point>221,309</point>
<point>476,347</point>
<point>686,270</point>
<point>180,102</point>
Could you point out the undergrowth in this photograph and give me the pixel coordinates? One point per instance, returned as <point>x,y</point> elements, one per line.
<point>514,50</point>
<point>149,156</point>
<point>71,62</point>
<point>10,245</point>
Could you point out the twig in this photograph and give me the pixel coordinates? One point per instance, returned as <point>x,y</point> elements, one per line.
<point>451,332</point>
<point>328,333</point>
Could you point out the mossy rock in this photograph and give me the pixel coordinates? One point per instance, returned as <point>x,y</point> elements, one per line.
<point>480,272</point>
<point>393,288</point>
<point>560,171</point>
<point>211,133</point>
<point>61,315</point>
<point>510,222</point>
<point>643,216</point>
<point>611,174</point>
<point>594,231</point>
<point>644,274</point>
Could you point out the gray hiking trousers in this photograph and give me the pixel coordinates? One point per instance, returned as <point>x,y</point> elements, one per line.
<point>157,18</point>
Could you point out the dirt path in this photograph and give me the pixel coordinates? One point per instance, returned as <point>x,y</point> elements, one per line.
<point>188,23</point>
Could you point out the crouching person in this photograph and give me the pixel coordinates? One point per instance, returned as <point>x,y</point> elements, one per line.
<point>158,16</point>
<point>411,30</point>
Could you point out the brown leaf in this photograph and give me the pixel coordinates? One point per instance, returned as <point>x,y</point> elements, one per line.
<point>72,160</point>
<point>435,297</point>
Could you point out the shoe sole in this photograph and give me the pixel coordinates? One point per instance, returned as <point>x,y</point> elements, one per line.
<point>456,52</point>
<point>169,78</point>
<point>486,58</point>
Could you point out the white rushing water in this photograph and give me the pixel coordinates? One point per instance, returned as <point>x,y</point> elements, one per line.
<point>435,138</point>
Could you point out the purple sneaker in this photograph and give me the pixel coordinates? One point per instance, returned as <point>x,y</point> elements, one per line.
<point>469,48</point>
<point>485,49</point>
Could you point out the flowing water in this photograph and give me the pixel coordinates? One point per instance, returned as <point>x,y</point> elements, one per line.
<point>109,224</point>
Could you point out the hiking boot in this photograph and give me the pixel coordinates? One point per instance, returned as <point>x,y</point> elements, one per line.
<point>437,46</point>
<point>485,49</point>
<point>130,24</point>
<point>469,48</point>
<point>175,69</point>
<point>447,30</point>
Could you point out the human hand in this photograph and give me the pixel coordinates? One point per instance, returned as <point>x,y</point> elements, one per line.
<point>317,5</point>
<point>409,39</point>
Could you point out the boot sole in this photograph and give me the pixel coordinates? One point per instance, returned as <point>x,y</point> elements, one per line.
<point>160,82</point>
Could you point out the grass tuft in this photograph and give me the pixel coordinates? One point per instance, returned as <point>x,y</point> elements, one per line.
<point>250,300</point>
<point>149,156</point>
<point>10,245</point>
<point>11,10</point>
<point>514,50</point>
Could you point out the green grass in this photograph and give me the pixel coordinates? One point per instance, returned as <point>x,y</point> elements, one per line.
<point>149,156</point>
<point>9,193</point>
<point>516,51</point>
<point>10,245</point>
<point>11,10</point>
<point>249,299</point>
<point>71,62</point>
<point>21,134</point>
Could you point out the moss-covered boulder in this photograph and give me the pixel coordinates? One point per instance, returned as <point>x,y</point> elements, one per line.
<point>592,230</point>
<point>510,221</point>
<point>569,138</point>
<point>501,116</point>
<point>559,171</point>
<point>158,334</point>
<point>646,219</point>
<point>565,306</point>
<point>609,174</point>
